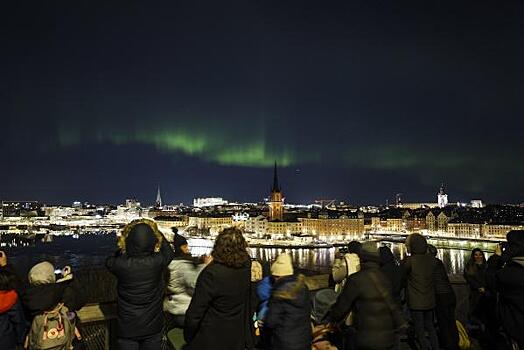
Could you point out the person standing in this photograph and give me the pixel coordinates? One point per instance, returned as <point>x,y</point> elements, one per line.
<point>12,321</point>
<point>289,309</point>
<point>475,276</point>
<point>420,292</point>
<point>219,316</point>
<point>367,294</point>
<point>445,303</point>
<point>139,266</point>
<point>183,273</point>
<point>505,275</point>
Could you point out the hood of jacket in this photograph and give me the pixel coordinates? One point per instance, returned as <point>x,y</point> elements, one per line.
<point>291,289</point>
<point>8,299</point>
<point>140,237</point>
<point>418,244</point>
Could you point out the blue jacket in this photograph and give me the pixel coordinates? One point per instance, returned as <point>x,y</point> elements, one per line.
<point>264,289</point>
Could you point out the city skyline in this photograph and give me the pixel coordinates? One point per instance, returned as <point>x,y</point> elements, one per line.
<point>355,101</point>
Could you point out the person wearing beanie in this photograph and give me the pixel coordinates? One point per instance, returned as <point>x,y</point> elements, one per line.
<point>45,291</point>
<point>289,308</point>
<point>505,276</point>
<point>418,269</point>
<point>139,266</point>
<point>183,274</point>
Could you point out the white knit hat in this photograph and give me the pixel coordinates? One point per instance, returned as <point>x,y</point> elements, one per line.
<point>282,266</point>
<point>42,273</point>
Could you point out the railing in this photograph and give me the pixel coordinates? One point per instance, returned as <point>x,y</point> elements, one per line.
<point>98,321</point>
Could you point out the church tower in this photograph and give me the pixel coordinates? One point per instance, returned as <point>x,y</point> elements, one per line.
<point>276,202</point>
<point>442,197</point>
<point>158,202</point>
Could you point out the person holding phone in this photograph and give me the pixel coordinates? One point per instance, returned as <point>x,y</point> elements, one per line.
<point>139,266</point>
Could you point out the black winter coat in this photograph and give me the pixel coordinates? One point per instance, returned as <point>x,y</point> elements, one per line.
<point>140,286</point>
<point>419,269</point>
<point>508,281</point>
<point>373,320</point>
<point>289,314</point>
<point>393,272</point>
<point>441,279</point>
<point>44,297</point>
<point>219,316</point>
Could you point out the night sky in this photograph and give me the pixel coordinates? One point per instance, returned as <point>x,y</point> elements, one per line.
<point>355,100</point>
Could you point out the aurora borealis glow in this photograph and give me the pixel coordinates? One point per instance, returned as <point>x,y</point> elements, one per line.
<point>354,100</point>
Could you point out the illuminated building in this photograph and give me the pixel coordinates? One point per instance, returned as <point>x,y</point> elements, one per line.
<point>325,227</point>
<point>276,202</point>
<point>208,202</point>
<point>442,197</point>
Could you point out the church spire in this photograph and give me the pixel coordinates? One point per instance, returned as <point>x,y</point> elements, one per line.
<point>158,202</point>
<point>276,187</point>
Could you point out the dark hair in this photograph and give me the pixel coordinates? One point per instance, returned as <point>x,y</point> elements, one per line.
<point>354,247</point>
<point>471,266</point>
<point>7,280</point>
<point>231,248</point>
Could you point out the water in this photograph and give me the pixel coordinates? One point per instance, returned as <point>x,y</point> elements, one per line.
<point>91,250</point>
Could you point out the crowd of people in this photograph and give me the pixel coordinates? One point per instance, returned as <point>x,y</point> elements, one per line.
<point>225,301</point>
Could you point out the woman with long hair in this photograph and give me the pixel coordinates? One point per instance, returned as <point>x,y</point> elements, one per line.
<point>219,315</point>
<point>475,275</point>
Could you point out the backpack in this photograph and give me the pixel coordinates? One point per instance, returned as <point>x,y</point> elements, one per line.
<point>52,330</point>
<point>464,342</point>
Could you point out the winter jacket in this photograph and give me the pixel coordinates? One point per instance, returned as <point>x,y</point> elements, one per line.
<point>44,297</point>
<point>289,314</point>
<point>508,281</point>
<point>12,321</point>
<point>418,269</point>
<point>183,274</point>
<point>140,285</point>
<point>441,279</point>
<point>392,270</point>
<point>264,289</point>
<point>219,316</point>
<point>373,320</point>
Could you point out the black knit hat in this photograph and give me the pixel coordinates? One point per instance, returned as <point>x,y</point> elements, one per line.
<point>178,241</point>
<point>369,252</point>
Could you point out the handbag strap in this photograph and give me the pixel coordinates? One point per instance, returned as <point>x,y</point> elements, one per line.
<point>393,308</point>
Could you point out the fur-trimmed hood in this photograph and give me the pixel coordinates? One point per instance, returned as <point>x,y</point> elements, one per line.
<point>137,238</point>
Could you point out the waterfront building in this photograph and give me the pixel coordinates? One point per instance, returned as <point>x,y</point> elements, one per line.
<point>325,227</point>
<point>465,229</point>
<point>213,223</point>
<point>500,230</point>
<point>437,220</point>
